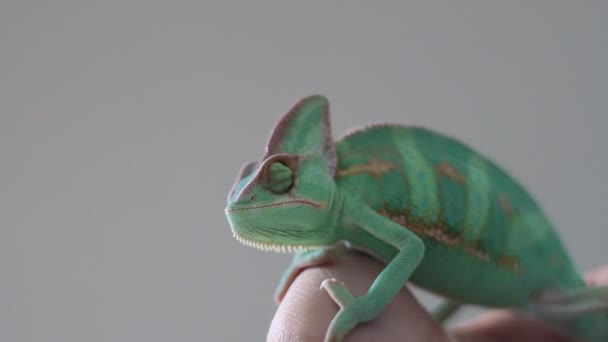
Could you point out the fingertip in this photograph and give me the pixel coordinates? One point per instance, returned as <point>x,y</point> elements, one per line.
<point>305,310</point>
<point>598,277</point>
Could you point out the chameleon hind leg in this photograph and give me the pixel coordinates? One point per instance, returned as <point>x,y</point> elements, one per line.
<point>583,312</point>
<point>446,309</point>
<point>568,304</point>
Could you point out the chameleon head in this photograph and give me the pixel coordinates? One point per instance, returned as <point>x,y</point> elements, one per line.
<point>286,202</point>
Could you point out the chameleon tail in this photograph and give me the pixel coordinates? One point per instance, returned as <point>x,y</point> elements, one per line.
<point>584,311</point>
<point>591,328</point>
<point>594,326</point>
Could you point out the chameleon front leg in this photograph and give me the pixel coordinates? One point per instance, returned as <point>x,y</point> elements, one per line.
<point>388,283</point>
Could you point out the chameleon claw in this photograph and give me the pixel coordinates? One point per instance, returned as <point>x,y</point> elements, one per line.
<point>347,316</point>
<point>337,291</point>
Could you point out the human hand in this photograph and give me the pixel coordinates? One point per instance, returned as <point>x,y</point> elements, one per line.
<point>306,311</point>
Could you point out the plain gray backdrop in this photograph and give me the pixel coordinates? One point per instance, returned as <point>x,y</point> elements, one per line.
<point>124,123</point>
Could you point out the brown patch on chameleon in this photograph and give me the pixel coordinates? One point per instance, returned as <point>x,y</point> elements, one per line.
<point>473,248</point>
<point>376,168</point>
<point>511,263</point>
<point>506,206</point>
<point>435,231</point>
<point>448,170</point>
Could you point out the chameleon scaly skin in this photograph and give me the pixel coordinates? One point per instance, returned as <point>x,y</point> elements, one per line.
<point>438,213</point>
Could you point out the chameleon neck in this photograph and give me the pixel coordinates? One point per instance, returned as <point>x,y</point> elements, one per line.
<point>349,228</point>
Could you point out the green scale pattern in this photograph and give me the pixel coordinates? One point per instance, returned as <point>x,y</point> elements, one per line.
<point>455,211</point>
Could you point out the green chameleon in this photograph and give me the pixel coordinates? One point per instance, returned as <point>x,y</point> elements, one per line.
<point>434,210</point>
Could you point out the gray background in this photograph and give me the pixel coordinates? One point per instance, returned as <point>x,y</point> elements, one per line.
<point>123,124</point>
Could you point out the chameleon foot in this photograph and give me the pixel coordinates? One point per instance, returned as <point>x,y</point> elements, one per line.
<point>564,305</point>
<point>352,310</point>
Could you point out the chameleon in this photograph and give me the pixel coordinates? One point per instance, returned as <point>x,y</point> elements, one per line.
<point>436,212</point>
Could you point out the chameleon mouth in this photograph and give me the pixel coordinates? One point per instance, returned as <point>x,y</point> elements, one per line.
<point>272,247</point>
<point>296,201</point>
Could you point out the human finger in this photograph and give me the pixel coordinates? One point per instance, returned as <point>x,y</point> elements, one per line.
<point>306,310</point>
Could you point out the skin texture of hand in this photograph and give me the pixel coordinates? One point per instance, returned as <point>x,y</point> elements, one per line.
<point>306,311</point>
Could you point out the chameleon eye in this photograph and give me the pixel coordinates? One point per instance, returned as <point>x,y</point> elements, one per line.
<point>279,178</point>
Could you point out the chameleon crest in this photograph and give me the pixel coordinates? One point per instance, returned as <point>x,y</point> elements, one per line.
<point>437,212</point>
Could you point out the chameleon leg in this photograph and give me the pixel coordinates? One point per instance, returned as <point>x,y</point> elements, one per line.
<point>445,309</point>
<point>567,304</point>
<point>303,260</point>
<point>388,283</point>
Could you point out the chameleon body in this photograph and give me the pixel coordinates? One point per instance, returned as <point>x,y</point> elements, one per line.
<point>438,213</point>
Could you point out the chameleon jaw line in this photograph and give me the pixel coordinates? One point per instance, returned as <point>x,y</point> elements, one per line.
<point>269,247</point>
<point>304,201</point>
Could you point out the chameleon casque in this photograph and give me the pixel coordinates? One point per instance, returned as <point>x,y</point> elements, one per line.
<point>438,213</point>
